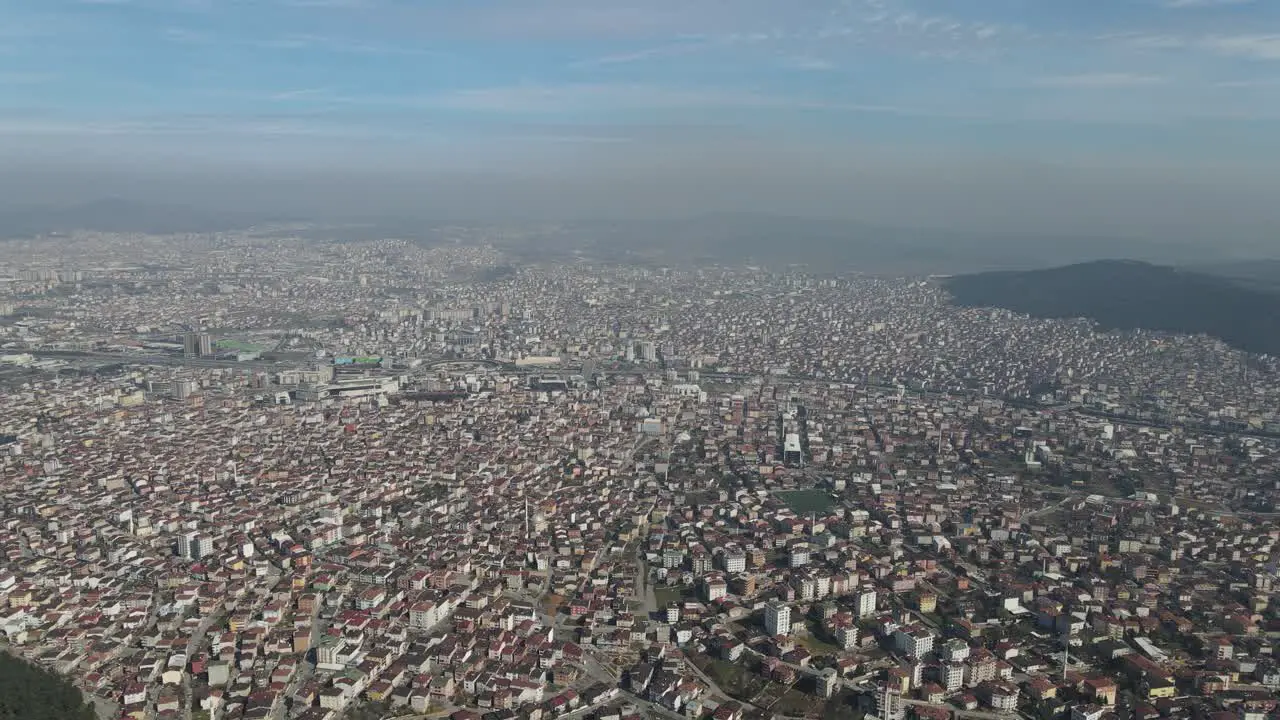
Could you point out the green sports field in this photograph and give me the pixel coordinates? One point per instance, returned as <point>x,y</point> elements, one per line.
<point>804,502</point>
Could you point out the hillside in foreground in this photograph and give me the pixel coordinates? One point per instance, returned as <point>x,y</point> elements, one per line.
<point>30,693</point>
<point>1128,295</point>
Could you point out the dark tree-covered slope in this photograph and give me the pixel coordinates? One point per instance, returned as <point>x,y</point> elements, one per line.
<point>1127,295</point>
<point>30,693</point>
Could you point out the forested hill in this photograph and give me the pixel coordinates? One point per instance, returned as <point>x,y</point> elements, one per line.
<point>30,693</point>
<point>1127,295</point>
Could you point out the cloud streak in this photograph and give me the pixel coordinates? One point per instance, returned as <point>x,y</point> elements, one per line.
<point>659,52</point>
<point>1252,46</point>
<point>211,126</point>
<point>603,98</point>
<point>1200,4</point>
<point>1100,81</point>
<point>1249,46</point>
<point>806,62</point>
<point>26,78</point>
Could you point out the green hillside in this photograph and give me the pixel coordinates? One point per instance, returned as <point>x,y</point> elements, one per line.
<point>30,693</point>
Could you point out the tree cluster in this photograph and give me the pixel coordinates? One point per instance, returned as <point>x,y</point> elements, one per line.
<point>28,692</point>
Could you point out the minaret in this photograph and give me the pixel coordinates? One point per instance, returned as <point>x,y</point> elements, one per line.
<point>526,518</point>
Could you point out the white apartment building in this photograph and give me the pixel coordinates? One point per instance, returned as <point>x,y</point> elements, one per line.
<point>735,562</point>
<point>847,636</point>
<point>423,615</point>
<point>716,589</point>
<point>777,618</point>
<point>914,640</point>
<point>823,585</point>
<point>800,555</point>
<point>952,676</point>
<point>955,650</point>
<point>866,602</point>
<point>806,588</point>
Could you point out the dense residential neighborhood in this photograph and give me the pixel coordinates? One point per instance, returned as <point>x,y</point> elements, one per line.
<point>253,477</point>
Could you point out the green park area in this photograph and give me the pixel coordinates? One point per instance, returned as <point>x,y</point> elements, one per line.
<point>665,595</point>
<point>238,346</point>
<point>804,502</point>
<point>813,642</point>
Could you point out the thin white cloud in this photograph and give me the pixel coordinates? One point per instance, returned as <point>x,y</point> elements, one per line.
<point>335,44</point>
<point>898,27</point>
<point>653,20</point>
<point>191,6</point>
<point>1146,41</point>
<point>189,126</point>
<point>662,28</point>
<point>1253,46</point>
<point>331,4</point>
<point>97,128</point>
<point>1254,83</point>
<point>186,36</point>
<point>25,78</point>
<point>603,98</point>
<point>1191,4</point>
<point>588,97</point>
<point>1100,81</point>
<point>301,94</point>
<point>806,62</point>
<point>652,53</point>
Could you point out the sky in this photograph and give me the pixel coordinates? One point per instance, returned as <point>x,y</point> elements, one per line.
<point>1127,116</point>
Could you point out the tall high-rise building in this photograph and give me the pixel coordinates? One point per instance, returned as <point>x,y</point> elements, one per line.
<point>197,344</point>
<point>203,546</point>
<point>181,389</point>
<point>866,602</point>
<point>777,618</point>
<point>184,544</point>
<point>193,546</point>
<point>647,351</point>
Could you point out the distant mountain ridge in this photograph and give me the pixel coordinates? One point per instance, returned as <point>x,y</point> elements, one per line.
<point>1128,295</point>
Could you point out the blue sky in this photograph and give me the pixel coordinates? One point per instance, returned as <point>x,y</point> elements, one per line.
<point>1150,86</point>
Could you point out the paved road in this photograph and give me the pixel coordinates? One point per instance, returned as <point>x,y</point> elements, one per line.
<point>257,602</point>
<point>106,709</point>
<point>1050,508</point>
<point>306,668</point>
<point>195,645</point>
<point>654,709</point>
<point>71,356</point>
